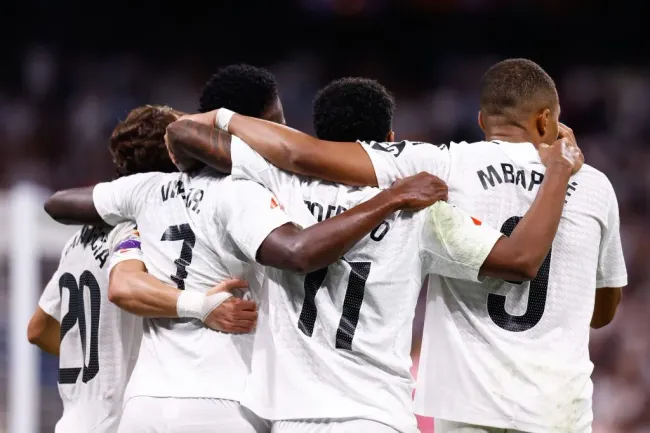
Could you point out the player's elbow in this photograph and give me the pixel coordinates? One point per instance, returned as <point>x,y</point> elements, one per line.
<point>118,289</point>
<point>297,256</point>
<point>35,331</point>
<point>52,207</point>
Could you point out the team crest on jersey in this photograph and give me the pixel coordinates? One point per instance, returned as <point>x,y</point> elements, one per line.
<point>395,148</point>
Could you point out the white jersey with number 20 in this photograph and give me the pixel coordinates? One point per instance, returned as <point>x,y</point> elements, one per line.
<point>99,342</point>
<point>335,343</point>
<point>508,355</point>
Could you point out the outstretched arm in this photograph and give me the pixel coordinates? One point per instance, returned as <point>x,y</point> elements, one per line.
<point>189,140</point>
<point>73,206</point>
<point>267,235</point>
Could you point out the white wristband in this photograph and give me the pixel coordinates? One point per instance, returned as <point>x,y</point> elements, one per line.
<point>197,305</point>
<point>222,119</point>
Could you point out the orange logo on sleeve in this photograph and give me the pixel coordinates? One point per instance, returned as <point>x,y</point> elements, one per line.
<point>274,204</point>
<point>476,222</point>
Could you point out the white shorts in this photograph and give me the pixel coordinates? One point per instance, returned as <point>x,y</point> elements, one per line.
<point>331,426</point>
<point>188,415</point>
<point>442,426</point>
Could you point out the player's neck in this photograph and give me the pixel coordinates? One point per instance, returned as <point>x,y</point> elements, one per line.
<point>509,134</point>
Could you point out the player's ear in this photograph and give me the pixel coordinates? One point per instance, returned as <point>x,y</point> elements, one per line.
<point>481,123</point>
<point>542,122</point>
<point>391,136</point>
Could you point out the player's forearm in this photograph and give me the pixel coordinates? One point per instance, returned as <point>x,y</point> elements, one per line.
<point>303,154</point>
<point>142,294</point>
<point>73,206</point>
<point>204,143</point>
<point>533,236</point>
<point>322,244</point>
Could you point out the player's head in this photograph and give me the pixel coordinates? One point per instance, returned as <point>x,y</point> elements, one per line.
<point>519,93</point>
<point>351,109</point>
<point>244,89</point>
<point>137,143</point>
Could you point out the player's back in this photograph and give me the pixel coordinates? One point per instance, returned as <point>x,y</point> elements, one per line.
<point>182,247</point>
<point>335,343</point>
<point>516,355</point>
<point>99,342</point>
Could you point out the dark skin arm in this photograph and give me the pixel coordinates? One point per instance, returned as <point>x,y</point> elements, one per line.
<point>44,331</point>
<point>289,247</point>
<point>190,141</point>
<point>73,206</point>
<point>607,300</point>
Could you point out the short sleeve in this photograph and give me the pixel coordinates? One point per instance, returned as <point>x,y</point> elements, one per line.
<point>124,244</point>
<point>393,161</point>
<point>452,244</point>
<point>248,222</point>
<point>611,263</point>
<point>122,199</point>
<point>248,164</point>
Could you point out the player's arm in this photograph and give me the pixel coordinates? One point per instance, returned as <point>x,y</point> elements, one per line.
<point>108,202</point>
<point>455,247</point>
<point>284,147</point>
<point>73,206</point>
<point>273,240</point>
<point>44,331</point>
<point>133,289</point>
<point>611,273</point>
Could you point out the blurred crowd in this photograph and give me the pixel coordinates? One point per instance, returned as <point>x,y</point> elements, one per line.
<point>57,113</point>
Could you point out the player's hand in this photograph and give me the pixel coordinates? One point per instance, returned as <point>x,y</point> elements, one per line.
<point>564,151</point>
<point>419,191</point>
<point>234,315</point>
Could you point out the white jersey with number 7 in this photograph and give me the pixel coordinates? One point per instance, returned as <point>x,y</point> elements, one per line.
<point>502,354</point>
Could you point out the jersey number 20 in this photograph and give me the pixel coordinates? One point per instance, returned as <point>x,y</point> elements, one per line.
<point>496,304</point>
<point>77,314</point>
<point>359,272</point>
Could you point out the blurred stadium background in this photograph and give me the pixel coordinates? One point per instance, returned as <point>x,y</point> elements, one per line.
<point>70,71</point>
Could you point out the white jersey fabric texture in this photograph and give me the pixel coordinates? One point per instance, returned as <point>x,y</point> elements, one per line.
<point>335,343</point>
<point>510,355</point>
<point>99,342</point>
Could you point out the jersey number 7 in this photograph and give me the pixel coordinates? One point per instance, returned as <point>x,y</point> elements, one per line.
<point>182,232</point>
<point>77,314</point>
<point>496,304</point>
<point>356,288</point>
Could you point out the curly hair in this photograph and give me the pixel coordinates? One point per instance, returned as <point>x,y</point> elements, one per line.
<point>244,89</point>
<point>351,109</point>
<point>517,86</point>
<point>137,143</point>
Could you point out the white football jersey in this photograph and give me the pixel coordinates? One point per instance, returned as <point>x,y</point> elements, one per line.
<point>335,343</point>
<point>511,355</point>
<point>99,342</point>
<point>184,246</point>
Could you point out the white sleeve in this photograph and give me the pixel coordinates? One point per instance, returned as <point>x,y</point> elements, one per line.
<point>248,164</point>
<point>124,244</point>
<point>122,199</point>
<point>393,161</point>
<point>248,221</point>
<point>611,263</point>
<point>452,244</point>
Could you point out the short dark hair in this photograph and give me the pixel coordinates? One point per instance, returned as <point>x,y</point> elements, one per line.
<point>137,143</point>
<point>351,109</point>
<point>245,89</point>
<point>517,86</point>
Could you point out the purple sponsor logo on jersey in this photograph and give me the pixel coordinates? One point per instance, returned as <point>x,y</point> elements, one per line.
<point>128,244</point>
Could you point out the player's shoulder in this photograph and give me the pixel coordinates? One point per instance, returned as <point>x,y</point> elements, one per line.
<point>396,148</point>
<point>593,180</point>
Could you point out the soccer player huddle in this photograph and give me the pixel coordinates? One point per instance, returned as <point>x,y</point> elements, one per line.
<point>241,276</point>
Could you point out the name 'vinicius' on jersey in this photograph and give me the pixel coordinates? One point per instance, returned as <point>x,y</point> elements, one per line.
<point>176,188</point>
<point>95,237</point>
<point>491,177</point>
<point>321,212</point>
